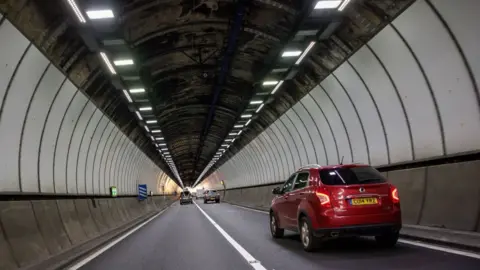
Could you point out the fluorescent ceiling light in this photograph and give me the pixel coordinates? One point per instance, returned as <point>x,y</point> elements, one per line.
<point>254,102</point>
<point>232,134</point>
<point>344,4</point>
<point>123,62</point>
<point>276,87</point>
<point>278,70</point>
<point>291,53</point>
<point>137,90</point>
<point>328,4</point>
<point>156,131</point>
<point>240,132</point>
<point>223,150</point>
<point>161,144</point>
<point>107,63</point>
<point>259,108</point>
<point>238,126</point>
<point>100,14</point>
<point>77,11</point>
<point>248,122</point>
<point>227,140</point>
<point>310,46</point>
<point>139,115</point>
<point>125,92</point>
<point>164,149</point>
<point>151,121</point>
<point>151,137</point>
<point>143,109</point>
<point>146,128</point>
<point>159,138</point>
<point>246,116</point>
<point>270,82</point>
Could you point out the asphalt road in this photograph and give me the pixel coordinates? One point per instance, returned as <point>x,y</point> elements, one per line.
<point>183,238</point>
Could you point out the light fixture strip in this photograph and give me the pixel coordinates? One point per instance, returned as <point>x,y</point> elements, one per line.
<point>307,50</point>
<point>123,62</point>
<point>151,121</point>
<point>77,11</point>
<point>276,87</point>
<point>344,5</point>
<point>139,115</point>
<point>246,116</point>
<point>125,92</point>
<point>137,90</point>
<point>259,108</point>
<point>146,128</point>
<point>248,122</point>
<point>107,63</point>
<point>291,53</point>
<point>255,102</point>
<point>100,14</point>
<point>327,4</point>
<point>144,109</point>
<point>266,83</point>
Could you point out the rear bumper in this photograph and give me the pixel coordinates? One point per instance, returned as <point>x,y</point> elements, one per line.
<point>186,201</point>
<point>358,230</point>
<point>212,198</point>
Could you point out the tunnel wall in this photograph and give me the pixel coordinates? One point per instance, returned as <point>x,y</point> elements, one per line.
<point>32,231</point>
<point>409,94</point>
<point>53,139</point>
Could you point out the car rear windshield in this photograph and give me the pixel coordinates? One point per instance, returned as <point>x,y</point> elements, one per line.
<point>351,176</point>
<point>211,192</point>
<point>185,194</point>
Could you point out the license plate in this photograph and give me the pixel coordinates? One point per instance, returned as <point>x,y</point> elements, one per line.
<point>364,201</point>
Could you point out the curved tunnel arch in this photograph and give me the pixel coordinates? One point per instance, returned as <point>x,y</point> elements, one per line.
<point>54,139</point>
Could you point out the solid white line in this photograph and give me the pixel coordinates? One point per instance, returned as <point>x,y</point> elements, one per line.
<point>111,244</point>
<point>440,248</point>
<point>408,242</point>
<point>247,256</point>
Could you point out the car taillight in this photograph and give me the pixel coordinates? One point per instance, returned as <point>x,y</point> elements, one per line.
<point>324,198</point>
<point>394,194</point>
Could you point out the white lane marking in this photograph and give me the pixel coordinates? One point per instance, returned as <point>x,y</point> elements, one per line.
<point>97,253</point>
<point>440,248</point>
<point>408,242</point>
<point>247,256</point>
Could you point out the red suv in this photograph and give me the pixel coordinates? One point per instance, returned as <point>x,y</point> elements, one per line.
<point>324,202</point>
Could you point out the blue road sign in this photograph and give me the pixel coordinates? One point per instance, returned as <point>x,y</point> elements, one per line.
<point>142,192</point>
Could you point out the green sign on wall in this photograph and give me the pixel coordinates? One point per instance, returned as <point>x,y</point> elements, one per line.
<point>113,191</point>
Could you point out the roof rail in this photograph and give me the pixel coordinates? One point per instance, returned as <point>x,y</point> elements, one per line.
<point>310,166</point>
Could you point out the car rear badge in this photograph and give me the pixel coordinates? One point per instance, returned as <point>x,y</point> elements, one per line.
<point>361,189</point>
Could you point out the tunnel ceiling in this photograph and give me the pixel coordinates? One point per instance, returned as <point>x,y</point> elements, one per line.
<point>200,61</point>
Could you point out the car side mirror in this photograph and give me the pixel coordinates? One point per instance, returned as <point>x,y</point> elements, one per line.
<point>277,191</point>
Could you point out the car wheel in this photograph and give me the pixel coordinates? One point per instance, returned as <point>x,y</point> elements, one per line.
<point>205,201</point>
<point>387,240</point>
<point>274,229</point>
<point>309,241</point>
<point>217,201</point>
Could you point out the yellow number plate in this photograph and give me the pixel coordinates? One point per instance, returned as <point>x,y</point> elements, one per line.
<point>364,201</point>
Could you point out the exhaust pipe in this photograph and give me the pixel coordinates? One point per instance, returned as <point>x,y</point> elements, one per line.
<point>334,234</point>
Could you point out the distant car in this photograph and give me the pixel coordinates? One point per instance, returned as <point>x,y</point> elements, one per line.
<point>186,197</point>
<point>211,195</point>
<point>335,201</point>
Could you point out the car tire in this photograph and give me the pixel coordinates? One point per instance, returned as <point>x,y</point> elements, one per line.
<point>205,201</point>
<point>217,201</point>
<point>276,231</point>
<point>309,241</point>
<point>387,240</point>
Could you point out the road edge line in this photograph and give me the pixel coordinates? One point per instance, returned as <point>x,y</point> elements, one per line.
<point>79,264</point>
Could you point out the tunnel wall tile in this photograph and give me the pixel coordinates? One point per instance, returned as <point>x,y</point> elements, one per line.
<point>403,96</point>
<point>53,138</point>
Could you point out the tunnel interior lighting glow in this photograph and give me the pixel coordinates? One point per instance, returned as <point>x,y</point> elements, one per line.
<point>266,83</point>
<point>327,4</point>
<point>279,70</point>
<point>123,62</point>
<point>138,115</point>
<point>107,63</point>
<point>259,108</point>
<point>276,87</point>
<point>162,144</point>
<point>151,121</point>
<point>246,116</point>
<point>291,53</point>
<point>100,14</point>
<point>159,138</point>
<point>254,102</point>
<point>156,131</point>
<point>227,140</point>
<point>151,137</point>
<point>240,132</point>
<point>77,11</point>
<point>232,134</point>
<point>125,92</point>
<point>309,47</point>
<point>164,149</point>
<point>144,109</point>
<point>344,5</point>
<point>238,126</point>
<point>137,90</point>
<point>248,122</point>
<point>147,129</point>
